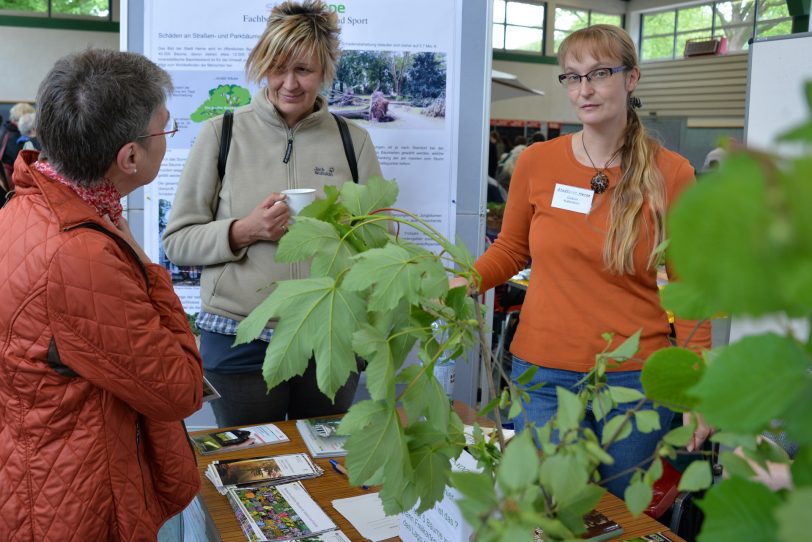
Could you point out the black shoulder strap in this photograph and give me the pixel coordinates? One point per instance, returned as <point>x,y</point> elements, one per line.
<point>225,143</point>
<point>348,148</point>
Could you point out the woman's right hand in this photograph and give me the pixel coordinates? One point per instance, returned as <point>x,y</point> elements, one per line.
<point>267,222</point>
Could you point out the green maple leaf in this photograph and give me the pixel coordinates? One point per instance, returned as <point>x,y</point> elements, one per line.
<point>520,464</point>
<point>391,272</point>
<point>669,374</point>
<point>384,356</point>
<point>637,496</point>
<point>362,199</point>
<point>311,238</point>
<point>478,495</point>
<point>431,453</point>
<point>738,509</point>
<point>315,315</point>
<point>376,449</point>
<point>424,396</point>
<point>770,372</point>
<point>791,527</point>
<point>565,476</point>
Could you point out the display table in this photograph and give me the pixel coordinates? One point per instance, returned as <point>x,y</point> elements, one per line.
<point>332,485</point>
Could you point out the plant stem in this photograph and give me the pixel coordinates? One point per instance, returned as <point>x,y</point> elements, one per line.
<point>627,415</point>
<point>486,355</point>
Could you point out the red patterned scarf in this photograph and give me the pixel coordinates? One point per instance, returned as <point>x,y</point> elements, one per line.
<point>103,197</point>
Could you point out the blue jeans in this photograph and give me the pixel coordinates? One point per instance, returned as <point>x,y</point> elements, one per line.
<point>627,453</point>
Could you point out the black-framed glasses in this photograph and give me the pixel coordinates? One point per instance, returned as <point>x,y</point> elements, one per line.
<point>169,130</point>
<point>597,76</point>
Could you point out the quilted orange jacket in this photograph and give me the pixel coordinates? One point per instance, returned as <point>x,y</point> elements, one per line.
<point>98,368</point>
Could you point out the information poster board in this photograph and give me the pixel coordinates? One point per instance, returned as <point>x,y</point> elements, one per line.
<point>409,51</point>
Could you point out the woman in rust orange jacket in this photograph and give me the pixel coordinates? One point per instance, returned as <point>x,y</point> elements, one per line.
<point>98,367</point>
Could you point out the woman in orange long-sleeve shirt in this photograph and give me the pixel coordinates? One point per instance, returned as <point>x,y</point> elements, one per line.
<point>589,209</point>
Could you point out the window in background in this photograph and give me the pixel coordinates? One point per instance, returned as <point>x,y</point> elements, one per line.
<point>568,20</point>
<point>664,33</point>
<point>58,8</point>
<point>518,25</point>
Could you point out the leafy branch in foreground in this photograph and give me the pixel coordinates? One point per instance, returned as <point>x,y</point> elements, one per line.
<point>372,294</point>
<point>741,241</point>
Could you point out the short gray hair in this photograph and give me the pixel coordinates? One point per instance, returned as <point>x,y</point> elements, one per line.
<point>93,103</point>
<point>27,123</point>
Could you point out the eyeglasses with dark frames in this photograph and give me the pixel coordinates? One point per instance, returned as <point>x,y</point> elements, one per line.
<point>597,76</point>
<point>169,130</point>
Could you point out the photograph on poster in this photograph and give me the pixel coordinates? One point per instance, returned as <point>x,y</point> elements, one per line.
<point>201,95</point>
<point>400,90</point>
<point>186,275</point>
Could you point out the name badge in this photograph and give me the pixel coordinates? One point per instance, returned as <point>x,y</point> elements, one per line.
<point>572,198</point>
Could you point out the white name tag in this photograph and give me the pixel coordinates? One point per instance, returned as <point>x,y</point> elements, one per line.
<point>572,198</point>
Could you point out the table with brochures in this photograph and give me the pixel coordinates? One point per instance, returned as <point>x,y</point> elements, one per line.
<point>333,485</point>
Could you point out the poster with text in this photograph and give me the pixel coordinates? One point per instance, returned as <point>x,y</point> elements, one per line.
<point>397,77</point>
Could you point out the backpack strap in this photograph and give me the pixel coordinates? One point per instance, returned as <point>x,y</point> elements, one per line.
<point>225,143</point>
<point>349,151</point>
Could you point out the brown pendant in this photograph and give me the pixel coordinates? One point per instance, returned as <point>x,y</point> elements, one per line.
<point>599,183</point>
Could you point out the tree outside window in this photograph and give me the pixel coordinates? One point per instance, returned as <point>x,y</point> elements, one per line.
<point>568,20</point>
<point>57,8</point>
<point>665,33</point>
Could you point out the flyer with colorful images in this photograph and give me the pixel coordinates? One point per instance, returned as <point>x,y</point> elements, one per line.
<point>277,513</point>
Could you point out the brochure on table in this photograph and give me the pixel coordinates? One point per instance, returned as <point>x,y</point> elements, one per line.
<point>204,48</point>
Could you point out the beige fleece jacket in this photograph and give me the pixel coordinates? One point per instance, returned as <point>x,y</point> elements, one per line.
<point>234,283</point>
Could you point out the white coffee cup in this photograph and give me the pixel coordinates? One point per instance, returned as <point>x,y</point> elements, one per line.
<point>299,198</point>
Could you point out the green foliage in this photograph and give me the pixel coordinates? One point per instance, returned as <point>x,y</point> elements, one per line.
<point>737,509</point>
<point>741,245</point>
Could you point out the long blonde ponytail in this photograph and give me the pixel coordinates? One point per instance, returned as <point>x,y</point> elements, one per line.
<point>640,182</point>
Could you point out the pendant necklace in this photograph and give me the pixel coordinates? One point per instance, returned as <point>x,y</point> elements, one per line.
<point>600,182</point>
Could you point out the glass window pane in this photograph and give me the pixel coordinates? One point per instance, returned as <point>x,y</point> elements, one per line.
<point>772,9</point>
<point>525,14</point>
<point>523,39</point>
<point>737,36</point>
<point>682,38</point>
<point>27,6</point>
<point>606,18</point>
<point>95,8</point>
<point>498,39</point>
<point>774,28</point>
<point>558,37</point>
<point>567,19</point>
<point>659,23</point>
<point>658,48</point>
<point>735,13</point>
<point>499,11</point>
<point>696,18</point>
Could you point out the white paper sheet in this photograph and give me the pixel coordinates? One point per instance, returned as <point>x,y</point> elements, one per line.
<point>367,516</point>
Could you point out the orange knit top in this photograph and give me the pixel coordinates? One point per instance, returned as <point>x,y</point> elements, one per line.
<point>572,298</point>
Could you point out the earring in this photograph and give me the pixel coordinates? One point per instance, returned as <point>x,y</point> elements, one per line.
<point>135,171</point>
<point>635,103</point>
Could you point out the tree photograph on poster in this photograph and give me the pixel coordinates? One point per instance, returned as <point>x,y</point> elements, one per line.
<point>388,88</point>
<point>182,275</point>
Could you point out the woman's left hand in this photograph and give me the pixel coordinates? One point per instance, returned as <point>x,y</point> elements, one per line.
<point>123,229</point>
<point>701,433</point>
